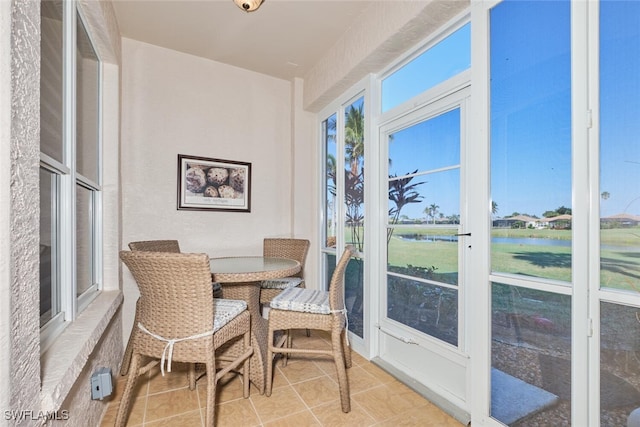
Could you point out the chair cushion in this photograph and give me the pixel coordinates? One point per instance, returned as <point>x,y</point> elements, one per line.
<point>283,283</point>
<point>301,299</point>
<point>226,310</point>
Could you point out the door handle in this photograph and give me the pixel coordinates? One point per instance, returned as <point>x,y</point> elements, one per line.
<point>463,234</point>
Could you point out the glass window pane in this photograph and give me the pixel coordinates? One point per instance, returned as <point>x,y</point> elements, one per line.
<point>51,81</point>
<point>87,93</point>
<point>85,234</point>
<point>413,148</point>
<point>423,306</point>
<point>49,291</point>
<point>329,134</point>
<point>354,295</point>
<point>444,60</point>
<point>531,138</point>
<point>530,356</point>
<point>354,174</point>
<point>619,363</point>
<point>619,148</point>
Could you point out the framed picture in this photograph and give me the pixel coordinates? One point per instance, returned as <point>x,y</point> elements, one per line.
<point>213,184</point>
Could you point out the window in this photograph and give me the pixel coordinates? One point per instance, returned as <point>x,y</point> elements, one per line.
<point>440,62</point>
<point>344,152</point>
<point>70,173</point>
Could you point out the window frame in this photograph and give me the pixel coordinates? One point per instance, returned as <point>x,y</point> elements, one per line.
<point>64,260</point>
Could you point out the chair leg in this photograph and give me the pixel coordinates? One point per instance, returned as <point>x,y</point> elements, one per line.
<point>288,343</point>
<point>270,362</point>
<point>343,382</point>
<point>245,366</point>
<point>127,396</point>
<point>192,376</point>
<point>126,358</point>
<point>346,349</point>
<point>211,394</point>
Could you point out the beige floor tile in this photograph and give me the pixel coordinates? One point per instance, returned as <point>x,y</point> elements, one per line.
<point>425,416</point>
<point>317,391</point>
<point>331,414</point>
<point>383,402</point>
<point>136,412</point>
<point>360,380</point>
<point>188,419</point>
<point>406,393</point>
<point>328,366</point>
<point>283,401</point>
<point>141,387</point>
<point>109,416</point>
<point>229,388</point>
<point>378,372</point>
<point>176,379</point>
<point>356,359</point>
<point>306,382</point>
<point>279,379</point>
<point>235,414</point>
<point>301,370</point>
<point>299,419</point>
<point>171,403</point>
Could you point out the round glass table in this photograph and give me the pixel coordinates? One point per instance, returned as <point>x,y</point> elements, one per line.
<point>240,278</point>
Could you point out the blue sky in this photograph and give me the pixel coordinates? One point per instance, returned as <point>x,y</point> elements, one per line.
<point>530,92</point>
<point>531,111</point>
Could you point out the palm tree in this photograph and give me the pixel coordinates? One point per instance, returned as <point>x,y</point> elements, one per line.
<point>354,136</point>
<point>401,193</point>
<point>331,188</point>
<point>432,211</point>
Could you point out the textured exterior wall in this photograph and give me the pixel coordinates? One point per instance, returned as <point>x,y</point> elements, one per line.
<point>20,359</point>
<point>5,198</point>
<point>382,33</point>
<point>83,411</point>
<point>24,346</point>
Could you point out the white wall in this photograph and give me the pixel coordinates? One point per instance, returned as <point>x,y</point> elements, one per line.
<point>174,103</point>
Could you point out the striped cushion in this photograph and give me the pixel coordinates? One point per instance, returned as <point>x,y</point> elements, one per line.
<point>283,283</point>
<point>226,310</point>
<point>301,299</point>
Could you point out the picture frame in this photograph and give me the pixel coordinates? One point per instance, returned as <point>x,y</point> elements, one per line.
<point>213,184</point>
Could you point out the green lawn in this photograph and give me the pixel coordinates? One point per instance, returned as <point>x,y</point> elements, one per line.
<point>620,268</point>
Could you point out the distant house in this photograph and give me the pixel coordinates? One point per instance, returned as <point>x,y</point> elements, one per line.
<point>518,221</point>
<point>525,221</point>
<point>560,222</point>
<point>621,220</point>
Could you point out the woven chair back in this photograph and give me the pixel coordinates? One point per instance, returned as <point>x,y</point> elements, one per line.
<point>336,286</point>
<point>287,248</point>
<point>176,296</point>
<point>156,246</point>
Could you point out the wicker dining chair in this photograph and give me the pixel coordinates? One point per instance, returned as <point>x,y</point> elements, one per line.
<point>298,308</point>
<point>171,246</point>
<point>180,321</point>
<point>283,248</point>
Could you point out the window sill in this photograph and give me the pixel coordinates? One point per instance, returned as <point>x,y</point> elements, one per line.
<point>63,362</point>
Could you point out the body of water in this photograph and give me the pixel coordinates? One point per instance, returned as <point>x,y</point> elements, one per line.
<point>524,241</point>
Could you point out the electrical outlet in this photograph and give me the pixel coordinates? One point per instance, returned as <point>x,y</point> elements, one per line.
<point>101,385</point>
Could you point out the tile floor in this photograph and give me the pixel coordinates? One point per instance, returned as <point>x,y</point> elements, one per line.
<point>305,393</point>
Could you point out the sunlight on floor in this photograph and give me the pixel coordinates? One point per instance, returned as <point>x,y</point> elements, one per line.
<point>305,393</point>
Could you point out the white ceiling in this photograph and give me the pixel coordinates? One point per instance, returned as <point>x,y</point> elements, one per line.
<point>284,38</point>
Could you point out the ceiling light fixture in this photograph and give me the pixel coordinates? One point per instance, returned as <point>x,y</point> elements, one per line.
<point>248,5</point>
